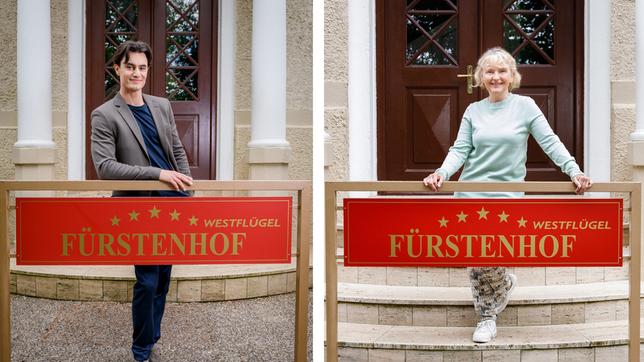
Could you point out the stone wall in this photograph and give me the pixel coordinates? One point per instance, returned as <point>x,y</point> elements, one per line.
<point>336,28</point>
<point>622,71</point>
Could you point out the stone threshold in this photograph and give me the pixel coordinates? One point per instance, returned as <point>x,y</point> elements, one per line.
<point>179,272</point>
<point>599,334</point>
<point>189,283</point>
<point>529,295</point>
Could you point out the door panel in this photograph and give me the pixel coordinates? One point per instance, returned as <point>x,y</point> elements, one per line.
<point>422,45</point>
<point>183,41</point>
<point>431,114</point>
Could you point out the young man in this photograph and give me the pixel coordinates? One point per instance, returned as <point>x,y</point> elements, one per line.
<point>134,137</point>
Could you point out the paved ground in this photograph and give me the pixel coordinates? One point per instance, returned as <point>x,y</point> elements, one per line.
<point>259,329</point>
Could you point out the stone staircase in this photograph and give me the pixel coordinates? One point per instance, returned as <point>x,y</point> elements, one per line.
<point>426,314</point>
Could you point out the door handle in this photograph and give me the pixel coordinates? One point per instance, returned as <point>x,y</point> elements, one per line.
<point>469,77</point>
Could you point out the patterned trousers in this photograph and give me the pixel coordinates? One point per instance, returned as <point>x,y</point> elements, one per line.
<point>490,288</point>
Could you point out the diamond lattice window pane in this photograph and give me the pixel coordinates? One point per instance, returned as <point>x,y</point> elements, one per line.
<point>182,84</point>
<point>529,22</point>
<point>418,51</point>
<point>529,34</point>
<point>529,55</point>
<point>182,16</point>
<point>182,50</point>
<point>121,18</point>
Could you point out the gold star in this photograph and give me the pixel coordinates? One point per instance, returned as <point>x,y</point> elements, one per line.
<point>443,222</point>
<point>482,213</point>
<point>522,222</point>
<point>503,217</point>
<point>115,221</point>
<point>174,215</point>
<point>154,212</point>
<point>462,217</point>
<point>193,221</point>
<point>134,215</point>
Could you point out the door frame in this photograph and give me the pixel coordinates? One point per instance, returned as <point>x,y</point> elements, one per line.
<point>597,99</point>
<point>225,90</point>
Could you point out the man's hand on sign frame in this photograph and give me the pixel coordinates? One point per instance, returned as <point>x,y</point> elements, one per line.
<point>176,179</point>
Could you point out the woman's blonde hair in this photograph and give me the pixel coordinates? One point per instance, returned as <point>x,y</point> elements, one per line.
<point>497,56</point>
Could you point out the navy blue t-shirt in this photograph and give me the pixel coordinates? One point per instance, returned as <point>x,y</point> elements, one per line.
<point>150,134</point>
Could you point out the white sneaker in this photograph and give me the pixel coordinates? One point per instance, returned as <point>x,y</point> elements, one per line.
<point>513,284</point>
<point>485,331</point>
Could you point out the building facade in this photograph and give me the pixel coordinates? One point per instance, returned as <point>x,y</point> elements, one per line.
<point>45,131</point>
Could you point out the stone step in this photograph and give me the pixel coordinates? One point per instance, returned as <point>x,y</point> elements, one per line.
<point>601,341</point>
<point>190,283</point>
<point>452,306</point>
<point>457,277</point>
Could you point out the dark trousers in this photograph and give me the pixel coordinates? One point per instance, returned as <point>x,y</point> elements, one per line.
<point>148,304</point>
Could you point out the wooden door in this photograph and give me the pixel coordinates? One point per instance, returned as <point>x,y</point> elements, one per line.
<point>183,38</point>
<point>424,45</point>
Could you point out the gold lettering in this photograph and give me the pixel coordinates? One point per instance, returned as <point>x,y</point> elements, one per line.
<point>194,243</point>
<point>522,245</point>
<point>542,247</point>
<point>124,242</point>
<point>157,244</point>
<point>139,239</point>
<point>394,245</point>
<point>238,242</point>
<point>468,239</point>
<point>213,242</point>
<point>504,242</point>
<point>102,245</point>
<point>486,246</point>
<point>179,243</point>
<point>566,247</point>
<point>81,246</point>
<point>68,240</point>
<point>410,244</point>
<point>450,240</point>
<point>431,247</point>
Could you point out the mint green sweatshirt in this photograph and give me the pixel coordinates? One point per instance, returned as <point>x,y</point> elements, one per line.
<point>492,143</point>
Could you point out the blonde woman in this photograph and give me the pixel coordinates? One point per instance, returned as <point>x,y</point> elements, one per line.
<point>492,145</point>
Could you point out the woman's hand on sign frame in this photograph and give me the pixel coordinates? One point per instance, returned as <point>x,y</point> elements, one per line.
<point>582,183</point>
<point>433,181</point>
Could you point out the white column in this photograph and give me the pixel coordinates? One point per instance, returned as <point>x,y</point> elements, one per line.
<point>226,93</point>
<point>34,152</point>
<point>361,91</point>
<point>75,90</point>
<point>268,150</point>
<point>637,137</point>
<point>597,84</point>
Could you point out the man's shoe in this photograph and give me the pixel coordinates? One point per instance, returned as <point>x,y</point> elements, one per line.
<point>508,294</point>
<point>485,331</point>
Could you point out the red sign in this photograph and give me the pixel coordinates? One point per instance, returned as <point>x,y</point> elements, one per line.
<point>482,232</point>
<point>163,230</point>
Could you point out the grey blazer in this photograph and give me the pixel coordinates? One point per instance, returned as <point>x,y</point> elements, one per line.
<point>118,149</point>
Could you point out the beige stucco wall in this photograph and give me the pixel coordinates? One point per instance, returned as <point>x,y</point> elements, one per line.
<point>299,64</point>
<point>336,60</point>
<point>622,70</point>
<point>8,85</point>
